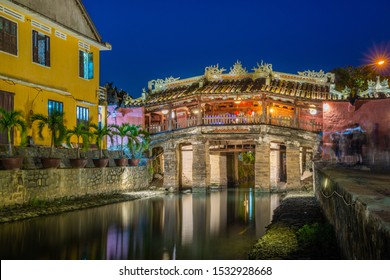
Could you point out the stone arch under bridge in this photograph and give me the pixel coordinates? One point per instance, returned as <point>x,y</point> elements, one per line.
<point>199,157</point>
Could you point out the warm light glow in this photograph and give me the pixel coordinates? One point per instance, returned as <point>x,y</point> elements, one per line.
<point>326,106</point>
<point>165,111</point>
<point>377,57</point>
<point>195,111</point>
<point>271,110</point>
<point>237,101</point>
<point>313,111</point>
<point>326,183</point>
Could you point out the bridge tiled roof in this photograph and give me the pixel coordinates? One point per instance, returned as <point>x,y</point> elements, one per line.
<point>242,86</point>
<point>306,86</point>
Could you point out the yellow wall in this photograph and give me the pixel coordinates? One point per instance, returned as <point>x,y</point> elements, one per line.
<point>63,74</point>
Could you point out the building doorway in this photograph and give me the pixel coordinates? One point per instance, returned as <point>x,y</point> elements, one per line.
<point>282,164</point>
<point>7,103</point>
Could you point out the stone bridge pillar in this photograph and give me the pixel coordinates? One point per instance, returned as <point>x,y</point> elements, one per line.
<point>171,163</point>
<point>200,166</point>
<point>293,167</point>
<point>262,166</point>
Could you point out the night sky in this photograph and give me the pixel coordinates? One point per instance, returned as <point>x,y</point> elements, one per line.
<point>158,39</point>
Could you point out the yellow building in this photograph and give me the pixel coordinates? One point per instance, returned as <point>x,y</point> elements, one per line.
<point>49,59</point>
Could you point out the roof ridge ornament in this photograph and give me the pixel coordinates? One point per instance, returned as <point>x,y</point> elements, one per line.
<point>312,74</point>
<point>318,75</point>
<point>237,69</point>
<point>213,71</point>
<point>373,90</point>
<point>346,91</point>
<point>160,84</point>
<point>376,87</point>
<point>263,68</point>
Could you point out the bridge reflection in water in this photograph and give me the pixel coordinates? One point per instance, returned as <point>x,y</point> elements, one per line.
<point>216,225</point>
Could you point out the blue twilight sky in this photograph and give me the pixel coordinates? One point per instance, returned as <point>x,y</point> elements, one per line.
<point>157,39</point>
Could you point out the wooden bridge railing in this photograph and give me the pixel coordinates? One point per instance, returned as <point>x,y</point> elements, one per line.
<point>229,119</point>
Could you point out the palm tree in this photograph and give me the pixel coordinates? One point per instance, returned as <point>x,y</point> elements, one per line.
<point>138,140</point>
<point>122,131</point>
<point>10,120</point>
<point>55,124</point>
<point>100,133</point>
<point>81,131</point>
<point>137,147</point>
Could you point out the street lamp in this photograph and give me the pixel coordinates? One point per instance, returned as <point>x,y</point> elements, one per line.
<point>379,62</point>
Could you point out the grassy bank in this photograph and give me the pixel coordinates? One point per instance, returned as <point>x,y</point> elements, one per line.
<point>298,230</point>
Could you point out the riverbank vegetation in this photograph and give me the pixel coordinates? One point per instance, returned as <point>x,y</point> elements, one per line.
<point>298,231</point>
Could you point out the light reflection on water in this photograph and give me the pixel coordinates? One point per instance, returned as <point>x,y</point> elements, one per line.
<point>217,225</point>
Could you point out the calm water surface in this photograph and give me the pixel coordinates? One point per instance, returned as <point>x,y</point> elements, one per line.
<point>217,225</point>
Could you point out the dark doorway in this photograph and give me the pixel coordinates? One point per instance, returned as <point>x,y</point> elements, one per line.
<point>7,103</point>
<point>282,164</point>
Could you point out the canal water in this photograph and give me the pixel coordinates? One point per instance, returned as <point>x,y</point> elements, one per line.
<point>217,225</point>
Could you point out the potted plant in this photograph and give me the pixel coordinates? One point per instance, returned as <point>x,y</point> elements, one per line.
<point>122,131</point>
<point>137,149</point>
<point>57,130</point>
<point>138,143</point>
<point>81,131</point>
<point>8,121</point>
<point>100,133</point>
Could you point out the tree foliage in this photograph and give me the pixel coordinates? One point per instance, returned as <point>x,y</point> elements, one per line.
<point>115,96</point>
<point>354,77</point>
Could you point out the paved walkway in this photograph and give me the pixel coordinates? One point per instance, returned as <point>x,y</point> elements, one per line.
<point>357,201</point>
<point>370,187</point>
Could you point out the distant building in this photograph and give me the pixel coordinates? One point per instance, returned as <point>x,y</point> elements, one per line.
<point>49,60</point>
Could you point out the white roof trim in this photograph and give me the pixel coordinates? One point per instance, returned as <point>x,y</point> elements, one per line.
<point>34,85</point>
<point>41,26</point>
<point>84,45</point>
<point>60,35</point>
<point>86,102</point>
<point>100,46</point>
<point>11,13</point>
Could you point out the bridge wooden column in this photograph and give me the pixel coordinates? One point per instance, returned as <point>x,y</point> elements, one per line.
<point>296,116</point>
<point>171,163</point>
<point>293,167</point>
<point>200,166</point>
<point>262,166</point>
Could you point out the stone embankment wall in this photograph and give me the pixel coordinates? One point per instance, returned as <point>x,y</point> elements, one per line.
<point>26,186</point>
<point>357,210</point>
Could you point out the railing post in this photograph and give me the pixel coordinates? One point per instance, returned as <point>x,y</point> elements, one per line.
<point>264,112</point>
<point>296,117</point>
